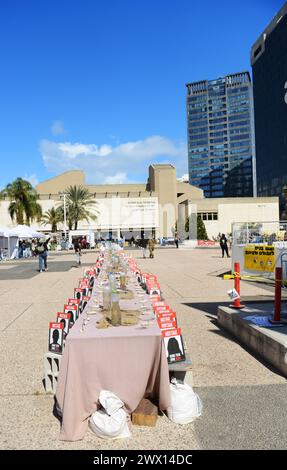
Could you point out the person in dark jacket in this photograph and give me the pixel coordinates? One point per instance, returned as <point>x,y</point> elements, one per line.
<point>176,239</point>
<point>143,245</point>
<point>78,250</point>
<point>42,251</point>
<point>223,245</point>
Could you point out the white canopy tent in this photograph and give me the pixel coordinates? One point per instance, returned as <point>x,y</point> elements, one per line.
<point>8,240</point>
<point>24,231</point>
<point>6,231</point>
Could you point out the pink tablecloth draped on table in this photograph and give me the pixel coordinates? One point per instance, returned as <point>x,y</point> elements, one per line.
<point>127,360</point>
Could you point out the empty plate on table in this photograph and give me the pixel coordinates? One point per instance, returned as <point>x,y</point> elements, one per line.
<point>144,324</point>
<point>147,317</point>
<point>94,311</point>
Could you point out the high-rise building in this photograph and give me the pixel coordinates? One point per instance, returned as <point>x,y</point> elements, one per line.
<point>221,148</point>
<point>269,66</point>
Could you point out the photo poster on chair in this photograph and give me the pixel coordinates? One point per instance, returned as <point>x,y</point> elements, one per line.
<point>65,319</point>
<point>56,337</point>
<point>90,273</point>
<point>138,276</point>
<point>92,281</point>
<point>71,310</point>
<point>85,300</point>
<point>83,283</point>
<point>167,321</point>
<point>85,290</point>
<point>154,291</point>
<point>166,309</point>
<point>78,293</point>
<point>173,345</point>
<point>90,278</point>
<point>77,303</point>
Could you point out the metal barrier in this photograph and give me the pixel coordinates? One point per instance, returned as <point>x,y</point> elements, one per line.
<point>279,283</point>
<point>283,259</point>
<point>277,300</point>
<point>237,303</point>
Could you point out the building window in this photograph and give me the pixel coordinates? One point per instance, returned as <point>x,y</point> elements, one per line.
<point>208,215</point>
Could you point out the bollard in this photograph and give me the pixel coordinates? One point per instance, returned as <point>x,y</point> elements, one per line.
<point>236,303</point>
<point>277,301</point>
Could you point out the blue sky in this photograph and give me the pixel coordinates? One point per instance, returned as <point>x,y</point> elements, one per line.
<point>100,86</point>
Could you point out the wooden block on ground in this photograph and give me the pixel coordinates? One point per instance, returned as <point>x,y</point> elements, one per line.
<point>145,414</point>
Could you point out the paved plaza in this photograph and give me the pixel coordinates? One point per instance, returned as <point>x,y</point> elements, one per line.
<point>244,399</point>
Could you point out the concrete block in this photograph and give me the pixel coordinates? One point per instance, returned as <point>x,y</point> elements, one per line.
<point>52,363</point>
<point>268,343</point>
<point>178,370</point>
<point>181,366</point>
<point>51,381</point>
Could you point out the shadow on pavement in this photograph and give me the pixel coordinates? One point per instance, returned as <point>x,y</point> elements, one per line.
<point>210,311</point>
<point>225,334</point>
<point>211,307</point>
<point>28,270</point>
<point>206,307</point>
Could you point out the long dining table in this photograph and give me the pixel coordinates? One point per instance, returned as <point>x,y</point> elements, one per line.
<point>129,361</point>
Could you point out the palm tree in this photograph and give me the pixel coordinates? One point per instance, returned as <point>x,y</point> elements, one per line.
<point>69,219</point>
<point>79,205</point>
<point>52,217</point>
<point>23,206</point>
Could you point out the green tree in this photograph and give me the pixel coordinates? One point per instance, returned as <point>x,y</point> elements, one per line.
<point>23,207</point>
<point>52,217</point>
<point>80,205</point>
<point>201,230</point>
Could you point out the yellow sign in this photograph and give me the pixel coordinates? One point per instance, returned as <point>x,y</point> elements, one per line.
<point>259,258</point>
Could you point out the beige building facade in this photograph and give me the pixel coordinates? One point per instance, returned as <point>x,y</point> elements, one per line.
<point>157,206</point>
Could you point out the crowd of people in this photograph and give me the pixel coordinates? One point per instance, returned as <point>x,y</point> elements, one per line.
<point>147,244</point>
<point>26,248</point>
<point>39,247</point>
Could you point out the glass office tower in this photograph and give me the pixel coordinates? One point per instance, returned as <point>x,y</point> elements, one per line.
<point>221,149</point>
<point>269,66</point>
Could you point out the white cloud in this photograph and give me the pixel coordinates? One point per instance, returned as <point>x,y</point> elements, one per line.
<point>57,128</point>
<point>118,178</point>
<point>32,179</point>
<point>127,162</point>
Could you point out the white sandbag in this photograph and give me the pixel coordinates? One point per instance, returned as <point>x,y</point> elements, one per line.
<point>185,403</point>
<point>112,421</point>
<point>110,402</point>
<point>110,427</point>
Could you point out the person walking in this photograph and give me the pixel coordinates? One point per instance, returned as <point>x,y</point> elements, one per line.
<point>223,245</point>
<point>176,239</point>
<point>42,251</point>
<point>143,245</point>
<point>33,247</point>
<point>78,250</point>
<point>150,245</point>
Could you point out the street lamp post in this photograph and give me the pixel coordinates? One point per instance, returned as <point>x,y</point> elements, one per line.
<point>63,195</point>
